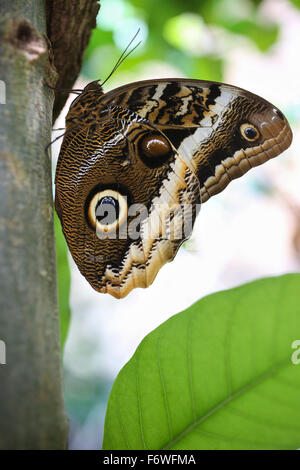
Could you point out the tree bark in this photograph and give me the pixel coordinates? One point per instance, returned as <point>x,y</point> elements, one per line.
<point>69,26</point>
<point>32,412</point>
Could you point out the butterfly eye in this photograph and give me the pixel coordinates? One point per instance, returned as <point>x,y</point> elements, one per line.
<point>107,210</point>
<point>155,150</point>
<point>249,132</point>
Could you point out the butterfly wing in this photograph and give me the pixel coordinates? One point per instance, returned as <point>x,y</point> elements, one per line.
<point>206,123</point>
<point>151,151</point>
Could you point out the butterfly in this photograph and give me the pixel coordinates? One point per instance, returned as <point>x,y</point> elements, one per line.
<point>136,163</point>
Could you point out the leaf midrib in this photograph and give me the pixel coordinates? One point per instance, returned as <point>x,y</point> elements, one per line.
<point>229,399</point>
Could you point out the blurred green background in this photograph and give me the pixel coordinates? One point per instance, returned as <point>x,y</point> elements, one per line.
<point>177,32</point>
<point>189,38</point>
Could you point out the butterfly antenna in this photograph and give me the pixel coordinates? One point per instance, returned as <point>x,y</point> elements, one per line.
<point>123,56</point>
<point>66,90</point>
<point>60,136</point>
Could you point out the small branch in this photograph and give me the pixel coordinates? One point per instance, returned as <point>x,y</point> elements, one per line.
<point>69,26</point>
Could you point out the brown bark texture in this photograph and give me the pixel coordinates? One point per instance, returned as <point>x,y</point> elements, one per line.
<point>69,26</point>
<point>32,414</point>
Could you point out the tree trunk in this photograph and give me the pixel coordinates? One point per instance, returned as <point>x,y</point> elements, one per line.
<point>32,414</point>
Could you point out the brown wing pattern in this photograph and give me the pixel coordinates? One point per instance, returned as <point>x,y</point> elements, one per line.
<point>136,162</point>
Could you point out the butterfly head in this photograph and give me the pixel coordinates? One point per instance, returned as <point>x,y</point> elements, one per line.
<point>81,109</point>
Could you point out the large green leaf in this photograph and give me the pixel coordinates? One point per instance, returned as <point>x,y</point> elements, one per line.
<point>216,376</point>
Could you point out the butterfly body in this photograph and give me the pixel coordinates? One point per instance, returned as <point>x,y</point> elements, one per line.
<point>152,151</point>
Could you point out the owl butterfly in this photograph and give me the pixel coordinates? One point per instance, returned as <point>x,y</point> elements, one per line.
<point>136,162</point>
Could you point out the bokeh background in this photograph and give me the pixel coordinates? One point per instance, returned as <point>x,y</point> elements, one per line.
<point>250,230</point>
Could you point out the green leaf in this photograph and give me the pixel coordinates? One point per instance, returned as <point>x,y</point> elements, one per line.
<point>217,376</point>
<point>296,3</point>
<point>264,36</point>
<point>64,280</point>
<point>208,68</point>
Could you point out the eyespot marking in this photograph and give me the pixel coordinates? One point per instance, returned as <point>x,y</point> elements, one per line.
<point>107,210</point>
<point>249,132</point>
<point>154,150</point>
<point>155,146</point>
